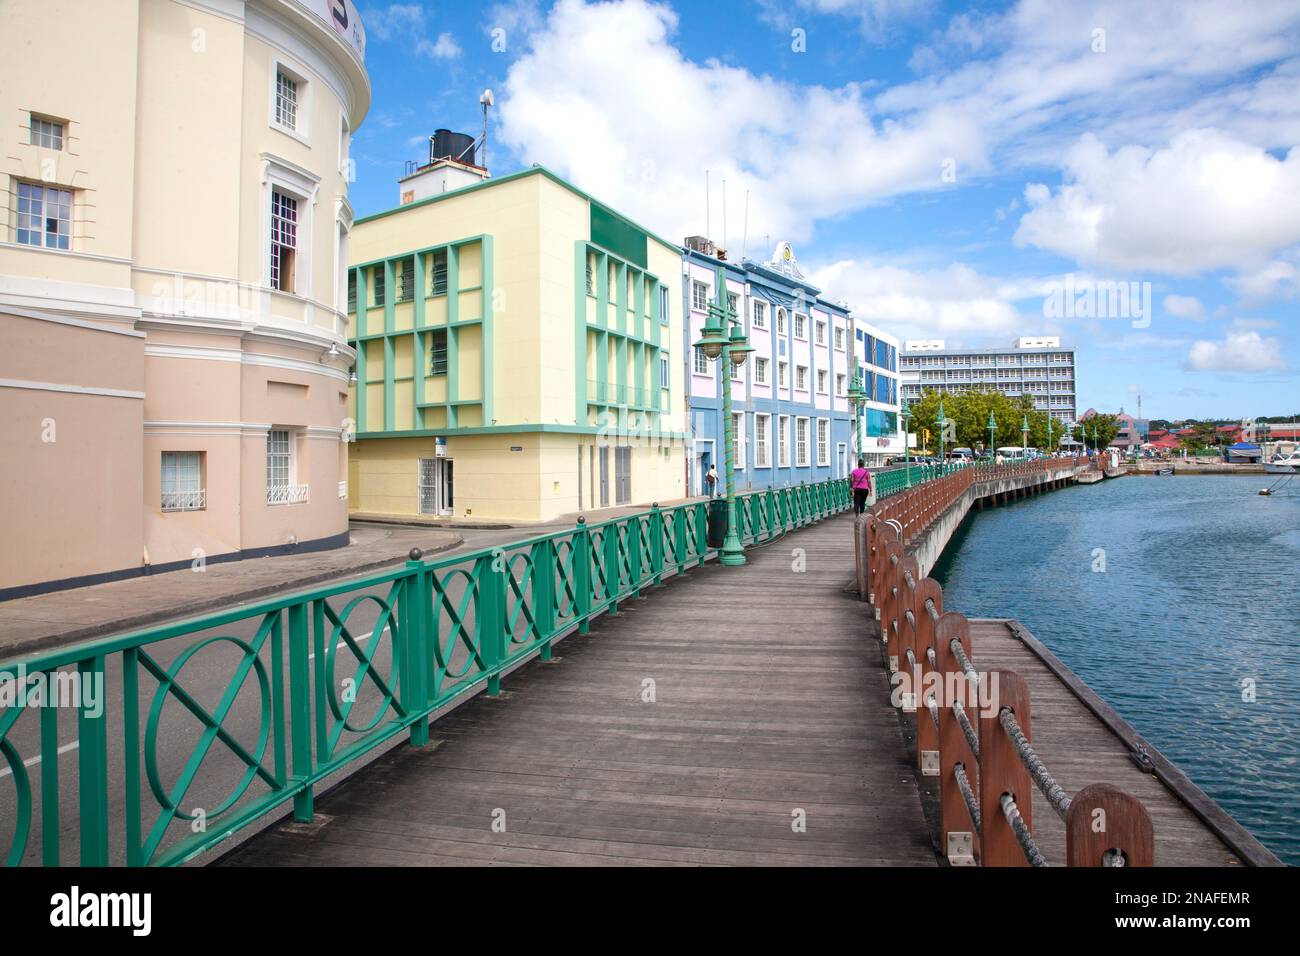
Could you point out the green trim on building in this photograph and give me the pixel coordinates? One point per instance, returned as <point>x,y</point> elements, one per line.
<point>512,429</point>
<point>618,234</point>
<point>534,171</point>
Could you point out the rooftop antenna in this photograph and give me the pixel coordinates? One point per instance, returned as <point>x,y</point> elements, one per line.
<point>487,99</point>
<point>708,228</point>
<point>744,235</point>
<point>724,212</point>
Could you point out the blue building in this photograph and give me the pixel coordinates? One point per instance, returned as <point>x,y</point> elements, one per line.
<point>878,436</point>
<point>790,398</point>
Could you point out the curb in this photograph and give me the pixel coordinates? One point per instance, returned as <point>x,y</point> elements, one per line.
<point>47,641</point>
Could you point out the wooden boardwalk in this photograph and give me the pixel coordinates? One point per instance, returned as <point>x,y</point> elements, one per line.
<point>1079,749</point>
<point>769,702</point>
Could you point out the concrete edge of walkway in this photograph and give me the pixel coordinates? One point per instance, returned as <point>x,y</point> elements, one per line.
<point>168,615</point>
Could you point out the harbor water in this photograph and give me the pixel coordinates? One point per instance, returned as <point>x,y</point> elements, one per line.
<point>1175,599</point>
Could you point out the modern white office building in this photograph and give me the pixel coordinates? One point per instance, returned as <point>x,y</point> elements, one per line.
<point>1034,365</point>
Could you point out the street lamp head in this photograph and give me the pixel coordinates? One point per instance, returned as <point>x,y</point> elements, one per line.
<point>992,423</point>
<point>739,346</point>
<point>711,340</point>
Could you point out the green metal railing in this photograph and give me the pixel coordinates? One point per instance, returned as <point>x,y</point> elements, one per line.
<point>272,697</point>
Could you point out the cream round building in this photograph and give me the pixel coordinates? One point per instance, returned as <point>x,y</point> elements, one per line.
<point>173,247</point>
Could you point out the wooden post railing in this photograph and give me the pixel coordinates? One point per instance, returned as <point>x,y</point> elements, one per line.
<point>974,729</point>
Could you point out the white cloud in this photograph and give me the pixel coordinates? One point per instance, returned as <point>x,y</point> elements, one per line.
<point>1184,307</point>
<point>1206,201</point>
<point>392,21</point>
<point>873,17</point>
<point>603,97</point>
<point>1243,351</point>
<point>955,300</point>
<point>1275,279</point>
<point>407,23</point>
<point>443,48</point>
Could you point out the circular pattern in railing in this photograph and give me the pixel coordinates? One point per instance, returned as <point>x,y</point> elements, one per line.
<point>386,620</point>
<point>460,630</point>
<point>214,729</point>
<point>23,799</point>
<point>517,588</point>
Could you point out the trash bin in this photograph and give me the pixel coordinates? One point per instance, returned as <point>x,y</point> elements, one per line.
<point>717,522</point>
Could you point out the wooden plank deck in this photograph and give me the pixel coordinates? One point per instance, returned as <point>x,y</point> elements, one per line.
<point>769,699</point>
<point>1079,749</point>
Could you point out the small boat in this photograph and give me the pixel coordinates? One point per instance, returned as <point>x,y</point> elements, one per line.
<point>1284,465</point>
<point>1165,471</point>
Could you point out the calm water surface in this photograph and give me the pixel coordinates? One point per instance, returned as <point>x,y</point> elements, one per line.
<point>1198,597</point>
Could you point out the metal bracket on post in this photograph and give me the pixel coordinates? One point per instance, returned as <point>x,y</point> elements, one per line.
<point>929,763</point>
<point>960,848</point>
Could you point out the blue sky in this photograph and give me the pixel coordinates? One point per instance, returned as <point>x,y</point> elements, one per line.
<point>948,170</point>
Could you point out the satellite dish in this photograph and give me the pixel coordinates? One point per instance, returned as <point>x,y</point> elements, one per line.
<point>487,99</point>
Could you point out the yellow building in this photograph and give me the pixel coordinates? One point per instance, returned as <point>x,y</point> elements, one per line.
<point>517,352</point>
<point>173,237</point>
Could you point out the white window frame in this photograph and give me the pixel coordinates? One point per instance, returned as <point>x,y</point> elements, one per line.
<point>290,492</point>
<point>782,374</point>
<point>823,379</point>
<point>819,330</point>
<point>283,199</point>
<point>762,440</point>
<point>839,340</point>
<point>280,175</point>
<point>780,321</point>
<point>44,199</point>
<point>801,327</point>
<point>801,376</point>
<point>665,305</point>
<point>304,94</point>
<point>801,450</point>
<point>739,440</point>
<point>46,132</point>
<point>759,309</point>
<point>783,441</point>
<point>665,381</point>
<point>823,441</point>
<point>760,370</point>
<point>701,366</point>
<point>839,384</point>
<point>699,303</point>
<point>177,498</point>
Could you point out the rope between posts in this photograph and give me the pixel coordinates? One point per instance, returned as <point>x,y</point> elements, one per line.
<point>964,723</point>
<point>934,710</point>
<point>967,794</point>
<point>1021,830</point>
<point>964,661</point>
<point>931,610</point>
<point>1057,797</point>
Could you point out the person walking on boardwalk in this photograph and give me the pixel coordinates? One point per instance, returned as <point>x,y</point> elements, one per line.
<point>711,481</point>
<point>860,482</point>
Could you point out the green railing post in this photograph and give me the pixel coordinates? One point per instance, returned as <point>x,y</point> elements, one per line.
<point>92,736</point>
<point>490,619</point>
<point>679,538</point>
<point>635,533</point>
<point>300,709</point>
<point>582,575</point>
<point>416,608</point>
<point>656,544</point>
<point>544,609</point>
<point>613,568</point>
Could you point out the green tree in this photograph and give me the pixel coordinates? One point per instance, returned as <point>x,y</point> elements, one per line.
<point>1107,427</point>
<point>969,413</point>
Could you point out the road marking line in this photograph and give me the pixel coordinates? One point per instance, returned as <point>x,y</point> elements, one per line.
<point>35,760</point>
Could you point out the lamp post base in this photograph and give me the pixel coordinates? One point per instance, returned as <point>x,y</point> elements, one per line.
<point>732,554</point>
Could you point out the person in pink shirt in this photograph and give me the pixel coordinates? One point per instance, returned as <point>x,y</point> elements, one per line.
<point>860,482</point>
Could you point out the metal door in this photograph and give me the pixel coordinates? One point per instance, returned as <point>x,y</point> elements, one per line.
<point>604,476</point>
<point>428,486</point>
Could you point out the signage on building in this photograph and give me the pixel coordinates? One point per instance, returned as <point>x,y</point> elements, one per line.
<point>440,447</point>
<point>343,17</point>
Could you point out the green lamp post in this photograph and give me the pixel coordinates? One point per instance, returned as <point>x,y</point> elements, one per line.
<point>992,426</point>
<point>906,414</point>
<point>939,423</point>
<point>1050,448</point>
<point>722,339</point>
<point>1024,437</point>
<point>857,401</point>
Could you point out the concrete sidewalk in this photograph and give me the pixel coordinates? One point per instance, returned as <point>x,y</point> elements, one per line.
<point>64,617</point>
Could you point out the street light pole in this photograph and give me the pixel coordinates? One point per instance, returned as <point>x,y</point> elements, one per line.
<point>939,423</point>
<point>992,427</point>
<point>1024,437</point>
<point>906,413</point>
<point>724,341</point>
